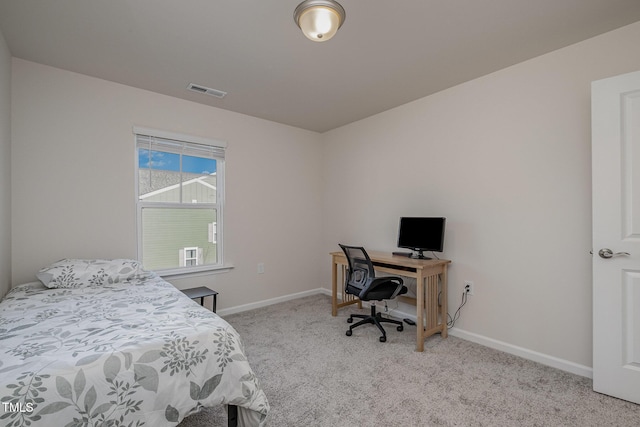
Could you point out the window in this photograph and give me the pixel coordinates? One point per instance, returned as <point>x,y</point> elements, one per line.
<point>190,257</point>
<point>180,189</point>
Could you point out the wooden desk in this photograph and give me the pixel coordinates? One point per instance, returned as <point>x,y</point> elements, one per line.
<point>431,280</point>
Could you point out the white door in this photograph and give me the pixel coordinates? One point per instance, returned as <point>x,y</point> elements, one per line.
<point>616,236</point>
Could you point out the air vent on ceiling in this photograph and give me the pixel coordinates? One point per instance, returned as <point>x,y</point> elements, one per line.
<point>206,90</point>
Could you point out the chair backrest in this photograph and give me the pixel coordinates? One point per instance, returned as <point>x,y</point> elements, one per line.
<point>360,265</point>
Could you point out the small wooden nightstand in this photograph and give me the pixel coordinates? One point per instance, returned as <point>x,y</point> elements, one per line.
<point>202,292</point>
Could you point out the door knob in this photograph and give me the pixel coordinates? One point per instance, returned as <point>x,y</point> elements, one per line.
<point>608,253</point>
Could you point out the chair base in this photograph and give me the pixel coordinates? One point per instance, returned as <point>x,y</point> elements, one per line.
<point>374,318</point>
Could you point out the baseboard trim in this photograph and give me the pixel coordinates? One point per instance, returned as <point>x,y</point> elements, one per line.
<point>525,353</point>
<point>271,301</point>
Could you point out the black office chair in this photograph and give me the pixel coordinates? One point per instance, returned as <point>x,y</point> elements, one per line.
<point>360,280</point>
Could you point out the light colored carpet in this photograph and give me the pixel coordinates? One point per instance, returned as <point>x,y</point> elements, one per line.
<point>314,375</point>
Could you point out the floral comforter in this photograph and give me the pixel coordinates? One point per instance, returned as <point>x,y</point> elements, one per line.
<point>138,353</point>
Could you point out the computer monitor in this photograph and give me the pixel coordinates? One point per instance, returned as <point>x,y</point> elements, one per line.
<point>421,234</point>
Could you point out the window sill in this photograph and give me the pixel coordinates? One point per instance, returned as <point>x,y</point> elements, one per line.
<point>179,273</point>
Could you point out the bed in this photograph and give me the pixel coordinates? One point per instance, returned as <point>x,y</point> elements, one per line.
<point>105,343</point>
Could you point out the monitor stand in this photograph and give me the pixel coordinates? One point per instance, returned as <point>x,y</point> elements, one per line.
<point>418,255</point>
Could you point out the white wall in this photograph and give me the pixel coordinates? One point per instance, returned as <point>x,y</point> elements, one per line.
<point>73,182</point>
<point>506,158</point>
<point>5,167</point>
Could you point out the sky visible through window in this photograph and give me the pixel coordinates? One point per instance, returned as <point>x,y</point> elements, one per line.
<point>161,160</point>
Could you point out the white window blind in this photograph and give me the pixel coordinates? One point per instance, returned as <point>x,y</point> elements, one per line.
<point>179,147</point>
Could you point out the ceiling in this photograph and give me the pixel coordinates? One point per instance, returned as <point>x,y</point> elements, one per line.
<point>386,54</point>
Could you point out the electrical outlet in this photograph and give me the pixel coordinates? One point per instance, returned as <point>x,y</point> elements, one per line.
<point>261,268</point>
<point>468,287</point>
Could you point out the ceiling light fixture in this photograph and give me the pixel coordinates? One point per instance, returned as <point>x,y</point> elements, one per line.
<point>319,20</point>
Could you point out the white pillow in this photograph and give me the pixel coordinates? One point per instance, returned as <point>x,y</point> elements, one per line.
<point>77,273</point>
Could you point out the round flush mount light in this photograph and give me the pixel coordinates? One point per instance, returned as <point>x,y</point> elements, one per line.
<point>319,20</point>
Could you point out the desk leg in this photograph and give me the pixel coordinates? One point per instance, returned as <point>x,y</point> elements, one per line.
<point>420,312</point>
<point>334,288</point>
<point>444,306</point>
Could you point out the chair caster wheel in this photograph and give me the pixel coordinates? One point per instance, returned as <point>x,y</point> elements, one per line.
<point>400,328</point>
<point>350,320</point>
<point>383,339</point>
<point>349,333</point>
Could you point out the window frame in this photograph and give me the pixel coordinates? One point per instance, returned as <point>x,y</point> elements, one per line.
<point>218,147</point>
